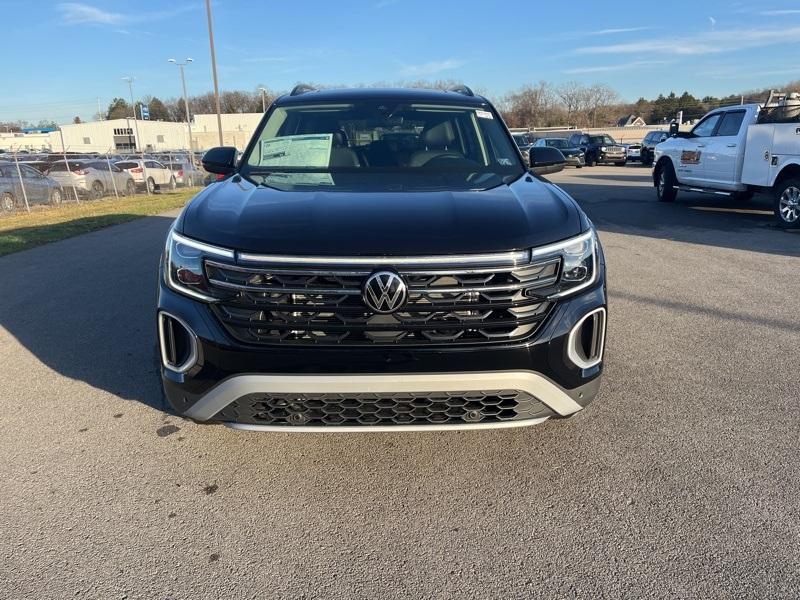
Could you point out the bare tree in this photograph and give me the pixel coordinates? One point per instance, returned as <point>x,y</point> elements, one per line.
<point>599,100</point>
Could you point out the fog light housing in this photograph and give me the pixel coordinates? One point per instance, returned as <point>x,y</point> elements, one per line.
<point>586,340</point>
<point>178,343</point>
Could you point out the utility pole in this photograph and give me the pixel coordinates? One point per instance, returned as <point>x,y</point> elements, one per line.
<point>214,68</point>
<point>133,104</point>
<point>99,110</point>
<point>186,106</point>
<point>263,99</point>
<point>138,140</point>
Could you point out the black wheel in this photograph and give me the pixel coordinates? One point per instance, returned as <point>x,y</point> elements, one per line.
<point>589,160</point>
<point>578,166</point>
<point>666,182</point>
<point>787,203</point>
<point>97,190</point>
<point>56,197</point>
<point>7,202</point>
<point>130,187</point>
<point>151,185</point>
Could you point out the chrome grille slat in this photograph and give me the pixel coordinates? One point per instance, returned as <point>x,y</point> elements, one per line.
<point>468,304</point>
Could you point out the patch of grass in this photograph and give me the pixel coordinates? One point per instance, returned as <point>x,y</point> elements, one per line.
<point>48,224</point>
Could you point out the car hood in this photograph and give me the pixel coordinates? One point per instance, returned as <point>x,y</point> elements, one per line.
<point>236,214</point>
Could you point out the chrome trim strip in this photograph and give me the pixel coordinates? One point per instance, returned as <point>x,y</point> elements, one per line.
<point>192,360</point>
<point>235,387</point>
<point>385,428</point>
<point>224,252</point>
<point>573,354</point>
<point>519,257</point>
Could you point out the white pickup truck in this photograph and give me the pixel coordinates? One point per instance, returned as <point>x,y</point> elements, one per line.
<point>736,151</point>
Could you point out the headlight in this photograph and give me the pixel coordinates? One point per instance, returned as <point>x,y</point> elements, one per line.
<point>578,263</point>
<point>183,266</point>
<point>603,148</point>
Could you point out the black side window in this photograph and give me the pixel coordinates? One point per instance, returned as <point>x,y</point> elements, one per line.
<point>731,123</point>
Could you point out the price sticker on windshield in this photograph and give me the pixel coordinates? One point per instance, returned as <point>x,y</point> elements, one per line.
<point>484,114</point>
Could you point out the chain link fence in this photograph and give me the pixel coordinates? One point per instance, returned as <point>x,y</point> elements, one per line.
<point>31,181</point>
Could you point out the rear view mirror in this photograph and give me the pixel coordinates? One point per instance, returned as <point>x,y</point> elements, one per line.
<point>546,159</point>
<point>220,160</point>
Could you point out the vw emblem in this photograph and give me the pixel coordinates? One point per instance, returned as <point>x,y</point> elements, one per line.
<point>384,292</point>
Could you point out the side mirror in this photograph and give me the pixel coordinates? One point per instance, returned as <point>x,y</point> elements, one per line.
<point>220,160</point>
<point>673,128</point>
<point>546,159</point>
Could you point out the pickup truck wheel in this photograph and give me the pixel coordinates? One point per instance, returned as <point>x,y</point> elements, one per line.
<point>665,183</point>
<point>787,203</point>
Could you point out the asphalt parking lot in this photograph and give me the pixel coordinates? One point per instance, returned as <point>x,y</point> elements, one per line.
<point>681,481</point>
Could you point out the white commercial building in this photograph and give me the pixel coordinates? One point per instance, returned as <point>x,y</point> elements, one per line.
<point>118,135</point>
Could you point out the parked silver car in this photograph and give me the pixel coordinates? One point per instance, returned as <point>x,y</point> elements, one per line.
<point>92,178</point>
<point>39,188</point>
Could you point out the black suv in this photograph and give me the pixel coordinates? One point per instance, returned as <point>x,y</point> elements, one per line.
<point>599,149</point>
<point>649,143</point>
<point>381,260</point>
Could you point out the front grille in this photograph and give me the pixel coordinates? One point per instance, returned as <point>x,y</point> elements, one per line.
<point>437,408</point>
<point>324,306</point>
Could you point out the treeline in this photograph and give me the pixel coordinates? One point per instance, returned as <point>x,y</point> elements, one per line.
<point>535,105</point>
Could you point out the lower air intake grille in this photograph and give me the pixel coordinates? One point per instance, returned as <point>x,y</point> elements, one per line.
<point>438,408</point>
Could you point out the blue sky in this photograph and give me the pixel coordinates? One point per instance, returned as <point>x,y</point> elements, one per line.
<point>61,56</point>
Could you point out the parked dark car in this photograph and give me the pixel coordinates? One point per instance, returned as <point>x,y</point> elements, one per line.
<point>649,145</point>
<point>574,156</point>
<point>336,281</point>
<point>599,149</point>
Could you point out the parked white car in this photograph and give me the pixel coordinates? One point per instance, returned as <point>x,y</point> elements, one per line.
<point>91,178</point>
<point>735,151</point>
<point>149,173</point>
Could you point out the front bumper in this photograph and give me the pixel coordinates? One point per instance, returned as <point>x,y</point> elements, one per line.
<point>605,157</point>
<point>463,383</point>
<point>576,160</point>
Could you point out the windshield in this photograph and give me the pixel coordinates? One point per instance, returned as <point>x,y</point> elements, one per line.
<point>428,142</point>
<point>602,139</point>
<point>558,143</point>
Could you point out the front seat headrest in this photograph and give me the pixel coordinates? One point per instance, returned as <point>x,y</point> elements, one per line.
<point>439,136</point>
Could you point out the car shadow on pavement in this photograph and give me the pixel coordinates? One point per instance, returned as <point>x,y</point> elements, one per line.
<point>694,218</point>
<point>85,307</point>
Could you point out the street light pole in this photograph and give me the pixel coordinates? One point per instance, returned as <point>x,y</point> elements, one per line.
<point>214,68</point>
<point>263,99</point>
<point>133,104</point>
<point>186,106</point>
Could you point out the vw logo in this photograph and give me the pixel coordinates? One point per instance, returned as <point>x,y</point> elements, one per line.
<point>384,292</point>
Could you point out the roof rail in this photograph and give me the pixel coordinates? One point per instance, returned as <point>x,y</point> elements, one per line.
<point>461,89</point>
<point>302,89</point>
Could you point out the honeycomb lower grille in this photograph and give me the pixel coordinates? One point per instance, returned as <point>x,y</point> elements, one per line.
<point>366,409</point>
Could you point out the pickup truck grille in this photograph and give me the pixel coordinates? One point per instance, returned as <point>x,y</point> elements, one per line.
<point>467,304</point>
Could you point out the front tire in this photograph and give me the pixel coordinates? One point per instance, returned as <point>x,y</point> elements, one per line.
<point>151,185</point>
<point>787,203</point>
<point>56,197</point>
<point>666,182</point>
<point>7,202</point>
<point>589,160</point>
<point>97,190</point>
<point>130,187</point>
